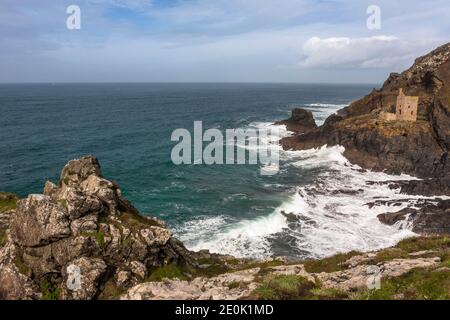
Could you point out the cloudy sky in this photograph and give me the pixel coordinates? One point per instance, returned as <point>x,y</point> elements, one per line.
<point>216,40</point>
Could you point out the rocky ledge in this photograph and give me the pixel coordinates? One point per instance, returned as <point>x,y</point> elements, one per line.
<point>81,239</point>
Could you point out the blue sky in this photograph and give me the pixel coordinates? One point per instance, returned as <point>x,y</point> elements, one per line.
<point>216,40</point>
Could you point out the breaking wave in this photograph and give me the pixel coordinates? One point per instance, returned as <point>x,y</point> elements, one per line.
<point>335,211</point>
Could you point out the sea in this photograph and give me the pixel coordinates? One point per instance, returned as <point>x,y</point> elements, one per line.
<point>318,204</point>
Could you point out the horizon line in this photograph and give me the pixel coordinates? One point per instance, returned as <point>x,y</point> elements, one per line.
<point>188,82</point>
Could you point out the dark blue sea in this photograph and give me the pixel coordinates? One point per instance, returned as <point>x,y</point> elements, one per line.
<point>225,208</point>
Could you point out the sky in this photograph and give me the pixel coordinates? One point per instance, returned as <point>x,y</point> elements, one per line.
<point>313,41</point>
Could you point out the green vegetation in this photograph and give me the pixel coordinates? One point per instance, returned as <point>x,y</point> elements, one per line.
<point>330,264</point>
<point>389,255</point>
<point>63,203</point>
<point>418,284</point>
<point>170,271</point>
<point>8,201</point>
<point>329,294</point>
<point>425,243</point>
<point>136,221</point>
<point>234,285</point>
<point>50,291</point>
<point>284,287</point>
<point>99,237</point>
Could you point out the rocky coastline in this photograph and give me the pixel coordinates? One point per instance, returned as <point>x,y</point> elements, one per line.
<point>419,148</point>
<point>81,239</point>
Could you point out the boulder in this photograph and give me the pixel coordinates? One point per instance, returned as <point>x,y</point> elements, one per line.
<point>39,221</point>
<point>83,278</point>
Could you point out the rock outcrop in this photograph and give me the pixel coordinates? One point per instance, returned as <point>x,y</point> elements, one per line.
<point>419,148</point>
<point>301,121</point>
<point>433,217</point>
<point>80,237</point>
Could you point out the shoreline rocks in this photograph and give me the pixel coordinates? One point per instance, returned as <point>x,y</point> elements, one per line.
<point>301,121</point>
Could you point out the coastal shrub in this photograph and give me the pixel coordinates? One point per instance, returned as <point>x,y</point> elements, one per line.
<point>284,287</point>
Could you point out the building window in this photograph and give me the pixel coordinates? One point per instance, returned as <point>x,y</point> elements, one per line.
<point>412,113</point>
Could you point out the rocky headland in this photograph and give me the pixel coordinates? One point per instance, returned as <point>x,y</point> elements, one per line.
<point>418,148</point>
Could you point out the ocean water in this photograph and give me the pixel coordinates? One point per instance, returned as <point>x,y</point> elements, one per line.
<point>226,209</point>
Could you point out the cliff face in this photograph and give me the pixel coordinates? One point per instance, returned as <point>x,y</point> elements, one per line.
<point>419,148</point>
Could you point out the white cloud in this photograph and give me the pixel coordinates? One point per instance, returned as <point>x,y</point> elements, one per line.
<point>365,52</point>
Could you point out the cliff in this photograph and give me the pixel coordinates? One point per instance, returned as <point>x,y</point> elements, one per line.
<point>418,148</point>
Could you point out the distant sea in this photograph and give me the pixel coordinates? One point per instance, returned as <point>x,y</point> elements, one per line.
<point>226,209</point>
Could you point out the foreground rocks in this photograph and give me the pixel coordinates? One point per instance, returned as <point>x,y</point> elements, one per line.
<point>348,276</point>
<point>81,231</point>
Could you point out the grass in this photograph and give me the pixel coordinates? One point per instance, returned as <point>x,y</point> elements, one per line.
<point>170,271</point>
<point>284,287</point>
<point>424,243</point>
<point>330,264</point>
<point>8,201</point>
<point>418,284</point>
<point>389,255</point>
<point>329,294</point>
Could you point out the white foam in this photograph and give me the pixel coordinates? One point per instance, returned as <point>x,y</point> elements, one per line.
<point>332,212</point>
<point>322,111</point>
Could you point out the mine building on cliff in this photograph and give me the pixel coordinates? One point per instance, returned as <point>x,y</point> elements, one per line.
<point>405,109</point>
